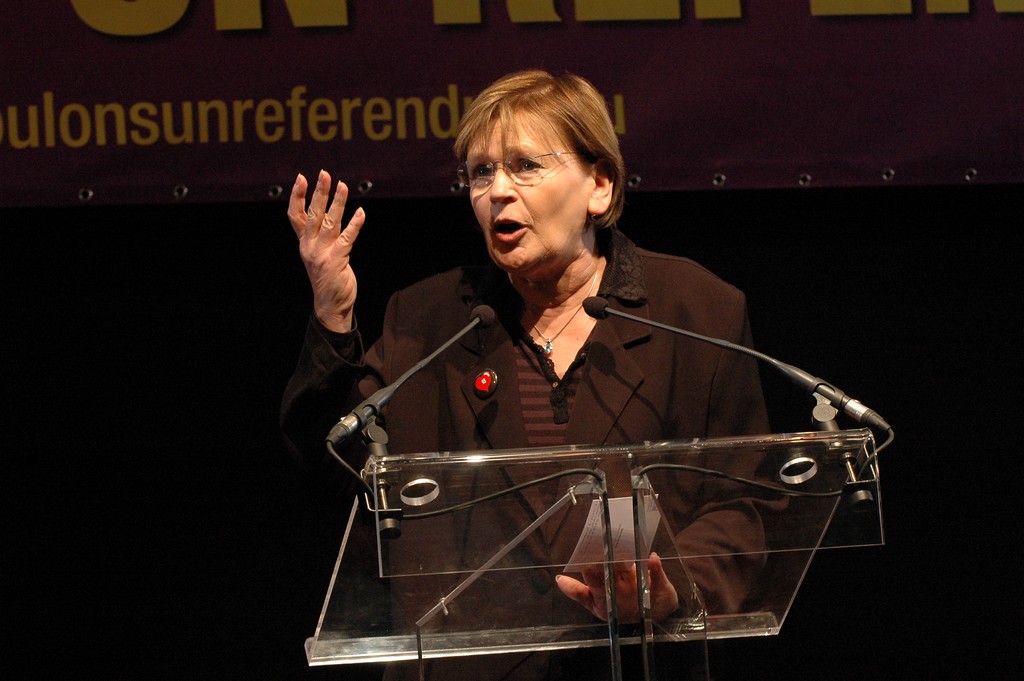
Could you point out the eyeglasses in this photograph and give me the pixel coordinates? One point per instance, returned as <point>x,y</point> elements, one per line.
<point>525,172</point>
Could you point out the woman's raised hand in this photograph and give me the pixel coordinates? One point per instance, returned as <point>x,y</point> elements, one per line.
<point>326,248</point>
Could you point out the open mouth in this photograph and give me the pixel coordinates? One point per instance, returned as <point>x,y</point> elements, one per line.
<point>507,231</point>
<point>507,227</point>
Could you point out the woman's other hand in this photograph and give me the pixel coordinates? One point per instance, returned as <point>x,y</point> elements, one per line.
<point>590,592</point>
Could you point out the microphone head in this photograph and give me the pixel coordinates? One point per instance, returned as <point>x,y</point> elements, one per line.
<point>486,315</point>
<point>596,307</point>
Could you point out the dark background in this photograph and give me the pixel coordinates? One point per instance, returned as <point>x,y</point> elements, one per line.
<point>154,527</point>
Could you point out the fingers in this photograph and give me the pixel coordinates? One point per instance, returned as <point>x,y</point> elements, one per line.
<point>576,590</point>
<point>351,231</point>
<point>659,580</point>
<point>593,576</point>
<point>297,206</point>
<point>332,218</point>
<point>317,209</point>
<point>665,598</point>
<point>590,592</point>
<point>322,218</point>
<point>307,221</point>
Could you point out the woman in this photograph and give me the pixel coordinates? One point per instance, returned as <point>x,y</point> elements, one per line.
<point>541,161</point>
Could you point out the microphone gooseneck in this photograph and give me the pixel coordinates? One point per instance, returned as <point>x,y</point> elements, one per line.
<point>599,308</point>
<point>482,316</point>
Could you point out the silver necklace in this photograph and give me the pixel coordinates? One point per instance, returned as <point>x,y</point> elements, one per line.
<point>547,348</point>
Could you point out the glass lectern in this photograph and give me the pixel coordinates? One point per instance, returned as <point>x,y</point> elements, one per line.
<point>457,553</point>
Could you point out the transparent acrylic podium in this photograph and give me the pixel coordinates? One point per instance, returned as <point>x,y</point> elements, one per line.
<point>457,552</point>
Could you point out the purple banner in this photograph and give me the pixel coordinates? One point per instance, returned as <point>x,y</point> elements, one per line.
<point>157,101</point>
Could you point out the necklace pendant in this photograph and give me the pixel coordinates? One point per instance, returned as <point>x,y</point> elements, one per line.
<point>547,346</point>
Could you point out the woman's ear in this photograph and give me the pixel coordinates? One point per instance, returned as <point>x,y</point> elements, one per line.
<point>601,197</point>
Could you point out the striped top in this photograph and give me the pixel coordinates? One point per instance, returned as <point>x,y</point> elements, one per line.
<point>547,399</point>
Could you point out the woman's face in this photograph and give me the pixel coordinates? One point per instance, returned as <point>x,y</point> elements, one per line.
<point>536,231</point>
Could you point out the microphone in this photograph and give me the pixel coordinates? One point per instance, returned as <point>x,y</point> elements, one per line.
<point>598,308</point>
<point>481,315</point>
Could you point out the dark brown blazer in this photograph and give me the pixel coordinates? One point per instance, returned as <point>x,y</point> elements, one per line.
<point>638,384</point>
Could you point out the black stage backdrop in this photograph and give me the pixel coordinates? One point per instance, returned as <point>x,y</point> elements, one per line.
<point>153,528</point>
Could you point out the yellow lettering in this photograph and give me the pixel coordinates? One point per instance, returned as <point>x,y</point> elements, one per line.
<point>414,104</point>
<point>48,122</point>
<point>449,104</point>
<point>838,8</point>
<point>220,121</point>
<point>296,102</point>
<point>948,6</point>
<point>377,110</point>
<point>116,111</point>
<point>718,9</point>
<point>530,11</point>
<point>32,123</point>
<point>130,17</point>
<point>637,10</point>
<point>243,15</point>
<point>457,12</point>
<point>220,108</point>
<point>519,11</point>
<point>84,125</point>
<point>141,115</point>
<point>137,18</point>
<point>237,15</point>
<point>167,110</point>
<point>240,106</point>
<point>322,111</point>
<point>269,120</point>
<point>348,107</point>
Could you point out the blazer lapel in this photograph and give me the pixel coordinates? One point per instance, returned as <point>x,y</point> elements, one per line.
<point>610,379</point>
<point>499,416</point>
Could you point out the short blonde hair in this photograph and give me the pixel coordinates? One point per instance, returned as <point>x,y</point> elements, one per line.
<point>567,106</point>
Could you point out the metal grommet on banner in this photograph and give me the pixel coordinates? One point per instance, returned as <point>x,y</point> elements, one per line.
<point>275,190</point>
<point>971,174</point>
<point>718,180</point>
<point>805,179</point>
<point>888,174</point>
<point>180,192</point>
<point>485,384</point>
<point>365,186</point>
<point>85,194</point>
